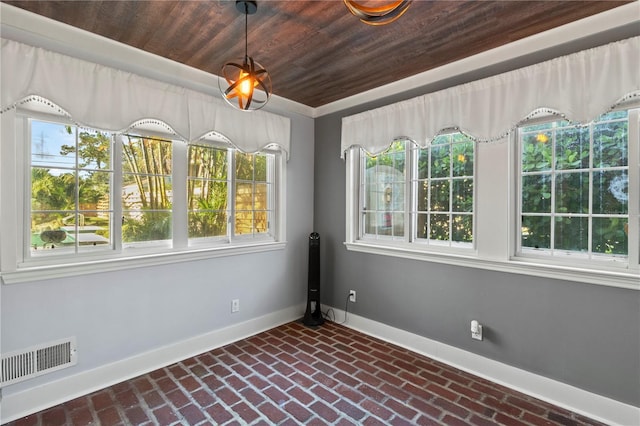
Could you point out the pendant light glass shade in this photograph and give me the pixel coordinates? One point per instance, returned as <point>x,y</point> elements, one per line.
<point>378,15</point>
<point>245,84</point>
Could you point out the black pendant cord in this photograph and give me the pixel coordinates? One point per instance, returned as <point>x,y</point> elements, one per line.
<point>246,19</point>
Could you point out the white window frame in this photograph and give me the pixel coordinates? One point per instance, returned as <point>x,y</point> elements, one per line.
<point>563,256</point>
<point>16,265</point>
<point>409,246</point>
<point>496,219</point>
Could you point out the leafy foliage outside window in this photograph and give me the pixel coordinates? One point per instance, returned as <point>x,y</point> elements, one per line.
<point>574,186</point>
<point>146,189</point>
<point>207,191</point>
<point>445,189</point>
<point>70,189</point>
<point>440,183</point>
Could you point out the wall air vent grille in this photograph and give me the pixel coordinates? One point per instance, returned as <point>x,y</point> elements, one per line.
<point>35,361</point>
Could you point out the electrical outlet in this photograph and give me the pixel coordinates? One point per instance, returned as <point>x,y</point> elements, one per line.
<point>235,305</point>
<point>352,296</point>
<point>476,330</point>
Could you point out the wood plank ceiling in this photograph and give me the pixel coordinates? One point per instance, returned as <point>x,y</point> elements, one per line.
<point>316,51</point>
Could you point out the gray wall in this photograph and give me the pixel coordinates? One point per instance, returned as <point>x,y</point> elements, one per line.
<point>121,314</point>
<point>577,333</point>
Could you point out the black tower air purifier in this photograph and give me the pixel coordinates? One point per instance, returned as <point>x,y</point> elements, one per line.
<point>313,314</point>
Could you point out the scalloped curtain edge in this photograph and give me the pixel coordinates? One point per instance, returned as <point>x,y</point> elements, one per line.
<point>109,99</point>
<point>488,110</point>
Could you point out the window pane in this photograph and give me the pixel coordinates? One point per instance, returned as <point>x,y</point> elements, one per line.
<point>610,147</point>
<point>398,224</point>
<point>423,200</point>
<point>208,208</point>
<point>94,190</point>
<point>610,192</point>
<point>207,162</point>
<point>384,185</point>
<point>572,192</point>
<point>439,227</point>
<point>244,196</point>
<point>52,144</point>
<point>462,228</point>
<point>371,223</point>
<point>372,194</point>
<point>439,195</point>
<point>571,233</point>
<point>244,223</point>
<point>146,156</point>
<point>146,189</point>
<point>94,150</point>
<point>463,158</point>
<point>146,225</point>
<point>422,230</point>
<point>462,193</point>
<point>53,189</point>
<point>590,186</point>
<point>71,177</point>
<point>252,193</point>
<point>207,224</point>
<point>47,232</point>
<point>572,148</point>
<point>423,164</point>
<point>445,186</point>
<point>244,166</point>
<point>440,161</point>
<point>261,168</point>
<point>536,232</point>
<point>610,235</point>
<point>536,151</point>
<point>95,232</point>
<point>207,191</point>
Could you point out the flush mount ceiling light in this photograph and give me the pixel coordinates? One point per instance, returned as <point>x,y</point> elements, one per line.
<point>245,84</point>
<point>378,15</point>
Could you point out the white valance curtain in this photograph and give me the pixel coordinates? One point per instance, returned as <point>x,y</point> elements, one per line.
<point>580,86</point>
<point>109,99</point>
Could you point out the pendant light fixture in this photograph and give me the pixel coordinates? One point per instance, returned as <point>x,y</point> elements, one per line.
<point>379,15</point>
<point>245,84</point>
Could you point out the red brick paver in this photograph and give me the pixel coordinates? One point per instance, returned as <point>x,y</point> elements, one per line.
<point>293,375</point>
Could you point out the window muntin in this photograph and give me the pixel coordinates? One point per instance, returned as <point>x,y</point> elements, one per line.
<point>207,191</point>
<point>132,177</point>
<point>444,181</point>
<point>573,189</point>
<point>70,186</point>
<point>253,194</point>
<point>146,189</point>
<point>419,195</point>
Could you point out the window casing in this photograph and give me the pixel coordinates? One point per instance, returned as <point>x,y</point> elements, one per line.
<point>145,180</point>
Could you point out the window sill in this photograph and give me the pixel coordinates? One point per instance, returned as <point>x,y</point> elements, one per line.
<point>29,273</point>
<point>622,278</point>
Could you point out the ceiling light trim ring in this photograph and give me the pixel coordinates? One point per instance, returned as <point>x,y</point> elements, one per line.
<point>379,15</point>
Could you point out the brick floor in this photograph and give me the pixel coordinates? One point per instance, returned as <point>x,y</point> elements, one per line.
<point>292,375</point>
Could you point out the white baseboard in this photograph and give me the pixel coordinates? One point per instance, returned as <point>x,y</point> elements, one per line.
<point>15,406</point>
<point>595,406</point>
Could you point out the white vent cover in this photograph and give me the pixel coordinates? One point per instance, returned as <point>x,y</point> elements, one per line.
<point>22,365</point>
